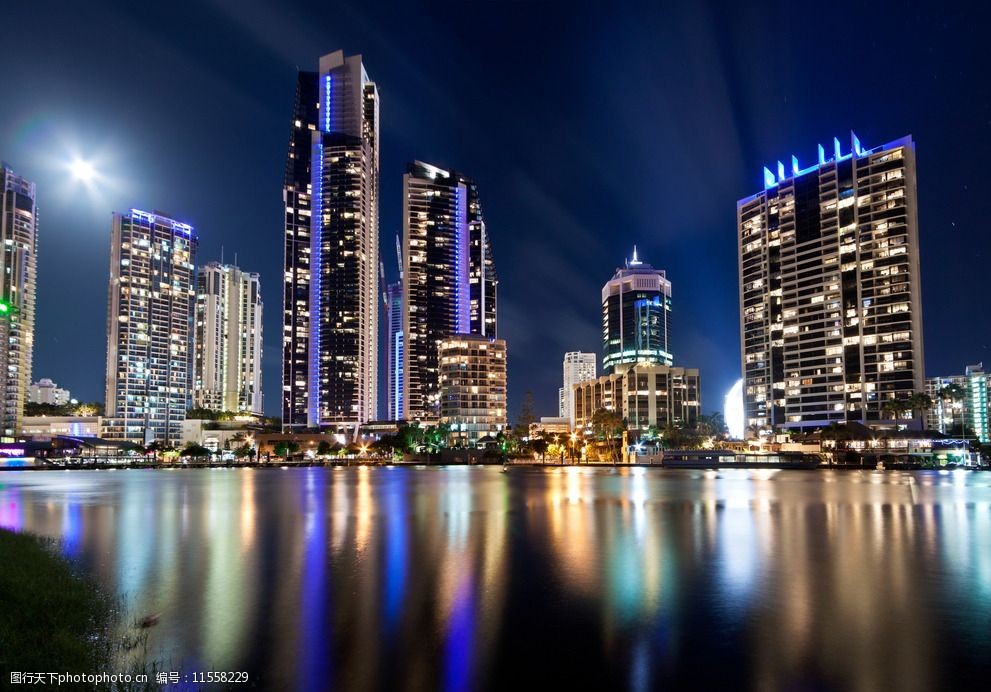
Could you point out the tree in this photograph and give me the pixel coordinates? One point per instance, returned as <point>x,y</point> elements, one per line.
<point>953,394</point>
<point>522,428</point>
<point>244,451</point>
<point>201,414</point>
<point>194,450</point>
<point>286,448</point>
<point>324,448</point>
<point>607,426</point>
<point>920,403</point>
<point>895,407</point>
<point>712,425</point>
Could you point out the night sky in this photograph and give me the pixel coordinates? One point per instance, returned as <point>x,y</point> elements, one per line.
<point>589,127</point>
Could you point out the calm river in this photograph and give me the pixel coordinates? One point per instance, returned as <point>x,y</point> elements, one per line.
<point>468,578</point>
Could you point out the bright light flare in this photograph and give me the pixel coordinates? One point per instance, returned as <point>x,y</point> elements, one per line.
<point>82,170</point>
<point>733,411</point>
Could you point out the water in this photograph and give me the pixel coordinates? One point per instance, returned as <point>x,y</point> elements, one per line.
<point>468,578</point>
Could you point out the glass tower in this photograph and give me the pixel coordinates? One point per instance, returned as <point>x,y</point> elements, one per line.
<point>18,262</point>
<point>330,345</point>
<point>636,316</point>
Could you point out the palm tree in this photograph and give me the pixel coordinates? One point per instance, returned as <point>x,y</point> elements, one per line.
<point>920,402</point>
<point>952,393</point>
<point>895,407</point>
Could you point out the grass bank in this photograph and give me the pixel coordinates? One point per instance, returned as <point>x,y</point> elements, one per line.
<point>53,619</point>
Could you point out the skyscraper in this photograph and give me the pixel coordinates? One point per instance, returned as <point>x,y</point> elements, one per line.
<point>227,373</point>
<point>578,367</point>
<point>831,317</point>
<point>394,348</point>
<point>449,279</point>
<point>636,316</point>
<point>330,329</point>
<point>149,327</point>
<point>18,274</point>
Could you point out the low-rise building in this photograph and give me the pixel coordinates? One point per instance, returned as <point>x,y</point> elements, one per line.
<point>960,403</point>
<point>644,394</point>
<point>48,427</point>
<point>216,435</point>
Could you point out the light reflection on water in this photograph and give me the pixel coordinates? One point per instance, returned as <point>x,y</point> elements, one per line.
<point>461,578</point>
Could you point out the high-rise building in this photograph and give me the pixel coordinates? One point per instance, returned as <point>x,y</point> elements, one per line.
<point>578,367</point>
<point>831,316</point>
<point>18,274</point>
<point>636,316</point>
<point>449,280</point>
<point>227,373</point>
<point>647,395</point>
<point>331,189</point>
<point>149,327</point>
<point>472,386</point>
<point>394,348</point>
<point>960,403</point>
<point>44,391</point>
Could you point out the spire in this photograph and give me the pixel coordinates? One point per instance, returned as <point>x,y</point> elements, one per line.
<point>635,261</point>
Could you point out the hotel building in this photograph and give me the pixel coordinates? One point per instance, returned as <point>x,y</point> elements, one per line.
<point>448,278</point>
<point>578,367</point>
<point>831,316</point>
<point>330,191</point>
<point>18,277</point>
<point>636,316</point>
<point>960,403</point>
<point>149,327</point>
<point>394,349</point>
<point>472,386</point>
<point>645,394</point>
<point>227,373</point>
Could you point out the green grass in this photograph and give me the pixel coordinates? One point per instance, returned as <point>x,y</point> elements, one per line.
<point>52,619</point>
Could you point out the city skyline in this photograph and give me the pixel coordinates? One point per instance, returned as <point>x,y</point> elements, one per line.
<point>573,236</point>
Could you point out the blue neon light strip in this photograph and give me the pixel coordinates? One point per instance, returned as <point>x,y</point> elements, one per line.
<point>855,150</point>
<point>328,93</point>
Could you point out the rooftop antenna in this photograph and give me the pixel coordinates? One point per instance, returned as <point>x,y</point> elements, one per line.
<point>635,261</point>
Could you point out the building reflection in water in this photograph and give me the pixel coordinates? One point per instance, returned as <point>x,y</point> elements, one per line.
<point>460,578</point>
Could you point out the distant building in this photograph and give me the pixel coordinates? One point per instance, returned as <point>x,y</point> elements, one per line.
<point>44,391</point>
<point>636,316</point>
<point>578,367</point>
<point>149,327</point>
<point>449,281</point>
<point>47,427</point>
<point>965,414</point>
<point>830,303</point>
<point>18,277</point>
<point>331,292</point>
<point>645,394</point>
<point>216,436</point>
<point>473,386</point>
<point>227,361</point>
<point>394,349</point>
<point>551,425</point>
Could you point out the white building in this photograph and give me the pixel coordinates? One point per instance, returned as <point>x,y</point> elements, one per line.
<point>227,373</point>
<point>473,386</point>
<point>44,391</point>
<point>18,275</point>
<point>149,327</point>
<point>47,427</point>
<point>578,367</point>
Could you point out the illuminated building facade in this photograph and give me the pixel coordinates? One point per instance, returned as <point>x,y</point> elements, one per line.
<point>331,190</point>
<point>149,327</point>
<point>44,391</point>
<point>227,374</point>
<point>960,403</point>
<point>448,278</point>
<point>18,277</point>
<point>645,394</point>
<point>472,386</point>
<point>831,316</point>
<point>578,367</point>
<point>636,316</point>
<point>394,349</point>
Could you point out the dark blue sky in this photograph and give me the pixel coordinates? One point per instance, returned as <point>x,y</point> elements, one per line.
<point>588,127</point>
